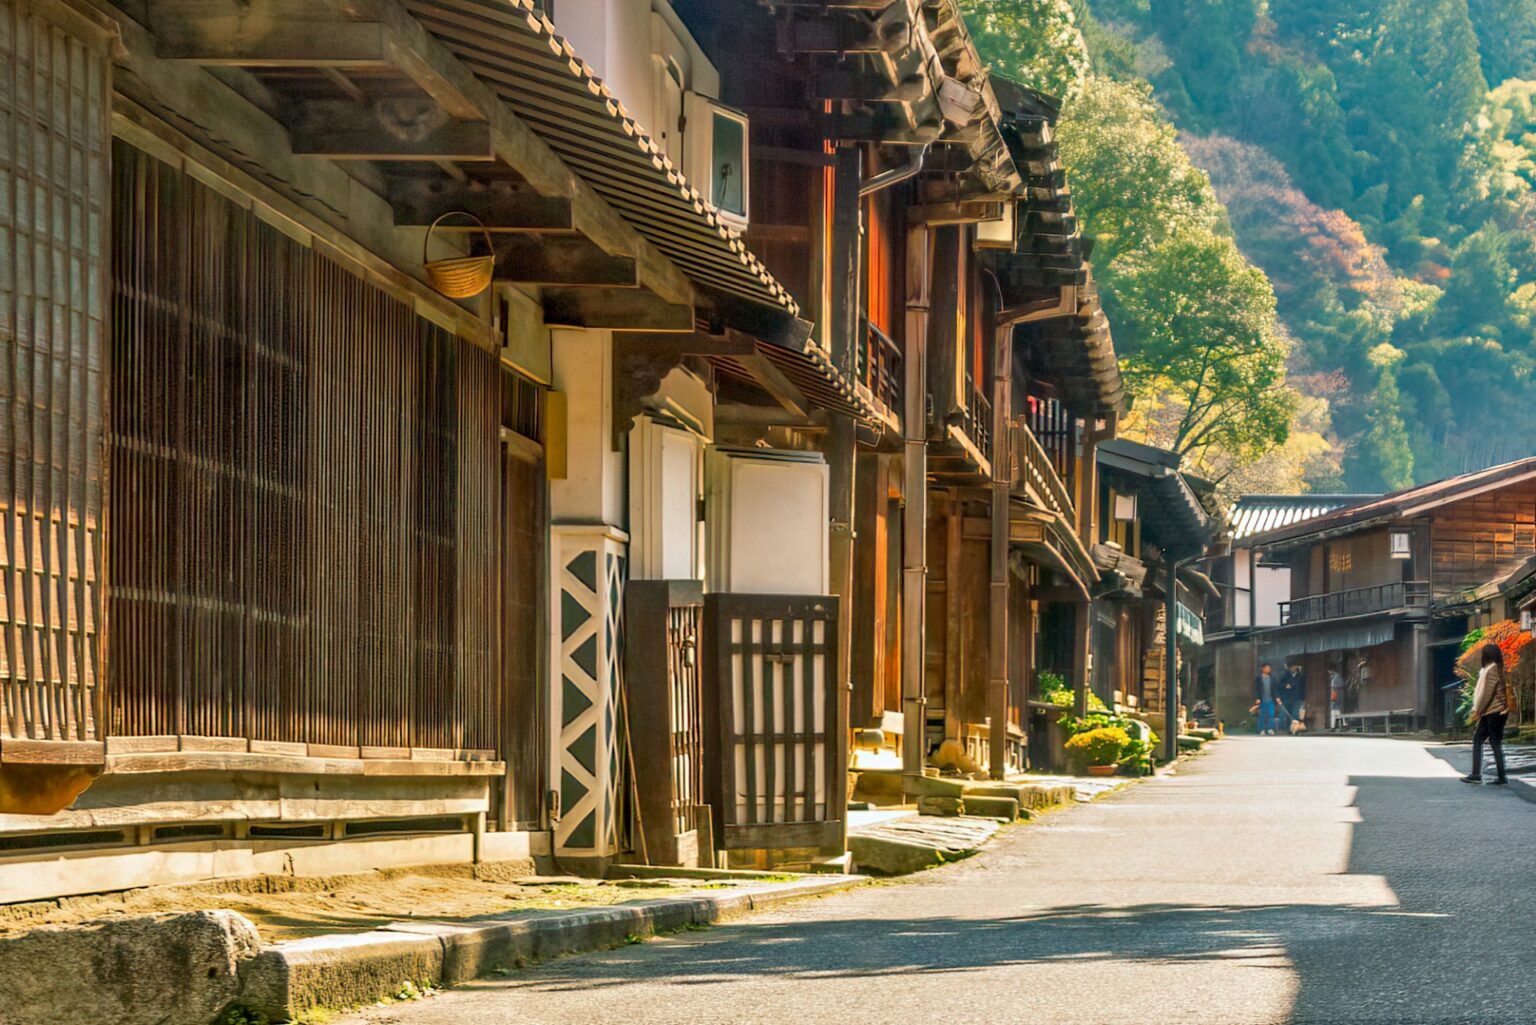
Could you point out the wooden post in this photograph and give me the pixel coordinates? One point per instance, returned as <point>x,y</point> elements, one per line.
<point>1002,480</point>
<point>1171,662</point>
<point>914,519</point>
<point>954,665</point>
<point>1082,635</point>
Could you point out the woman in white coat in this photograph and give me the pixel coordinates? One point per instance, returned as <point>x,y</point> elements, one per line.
<point>1492,701</point>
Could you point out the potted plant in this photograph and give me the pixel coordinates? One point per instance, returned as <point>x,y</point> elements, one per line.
<point>1101,749</point>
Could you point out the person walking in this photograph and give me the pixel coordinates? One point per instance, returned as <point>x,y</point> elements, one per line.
<point>1291,694</point>
<point>1492,701</point>
<point>1264,693</point>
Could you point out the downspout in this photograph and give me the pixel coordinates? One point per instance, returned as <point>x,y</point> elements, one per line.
<point>896,175</point>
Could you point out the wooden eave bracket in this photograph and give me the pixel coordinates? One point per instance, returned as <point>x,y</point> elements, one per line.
<point>478,126</point>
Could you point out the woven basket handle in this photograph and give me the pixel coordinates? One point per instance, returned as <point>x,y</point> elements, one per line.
<point>484,231</point>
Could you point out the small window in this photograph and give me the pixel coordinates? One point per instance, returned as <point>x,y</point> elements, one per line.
<point>1402,544</point>
<point>728,164</point>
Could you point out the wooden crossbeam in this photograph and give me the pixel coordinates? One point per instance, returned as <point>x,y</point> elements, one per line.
<point>625,309</point>
<point>363,138</point>
<point>500,205</point>
<point>273,42</point>
<point>543,260</point>
<point>772,380</point>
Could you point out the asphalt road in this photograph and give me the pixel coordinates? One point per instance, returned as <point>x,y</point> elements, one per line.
<point>1274,880</point>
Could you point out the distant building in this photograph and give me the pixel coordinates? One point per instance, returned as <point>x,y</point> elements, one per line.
<point>1382,592</point>
<point>1252,592</point>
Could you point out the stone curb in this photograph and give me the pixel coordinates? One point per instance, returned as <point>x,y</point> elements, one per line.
<point>288,979</point>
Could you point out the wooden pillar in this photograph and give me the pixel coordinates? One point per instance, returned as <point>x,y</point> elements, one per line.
<point>954,664</point>
<point>914,519</point>
<point>1082,635</point>
<point>1002,474</point>
<point>1171,663</point>
<point>842,430</point>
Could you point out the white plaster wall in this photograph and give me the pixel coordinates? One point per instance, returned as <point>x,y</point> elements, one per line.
<point>1273,586</point>
<point>664,491</point>
<point>616,38</point>
<point>593,489</point>
<point>767,524</point>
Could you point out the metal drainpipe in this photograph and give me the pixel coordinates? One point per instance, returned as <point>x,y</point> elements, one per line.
<point>896,175</point>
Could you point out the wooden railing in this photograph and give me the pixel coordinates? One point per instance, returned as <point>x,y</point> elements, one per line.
<point>1357,601</point>
<point>1033,467</point>
<point>772,701</point>
<point>976,421</point>
<point>878,366</point>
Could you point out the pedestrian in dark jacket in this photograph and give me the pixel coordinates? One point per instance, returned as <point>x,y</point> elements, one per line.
<point>1491,704</point>
<point>1292,693</point>
<point>1264,688</point>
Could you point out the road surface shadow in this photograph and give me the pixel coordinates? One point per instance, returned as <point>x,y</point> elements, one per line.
<point>1455,948</point>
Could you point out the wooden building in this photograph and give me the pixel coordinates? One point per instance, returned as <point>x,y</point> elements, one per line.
<point>434,434</point>
<point>315,560</point>
<point>1149,619</point>
<point>1382,591</point>
<point>1251,594</point>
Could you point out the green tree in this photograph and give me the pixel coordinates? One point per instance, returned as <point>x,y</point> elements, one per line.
<point>1036,42</point>
<point>1506,33</point>
<point>1385,460</point>
<point>1131,181</point>
<point>1202,325</point>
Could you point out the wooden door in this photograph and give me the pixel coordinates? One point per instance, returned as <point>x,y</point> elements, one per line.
<point>524,732</point>
<point>774,711</point>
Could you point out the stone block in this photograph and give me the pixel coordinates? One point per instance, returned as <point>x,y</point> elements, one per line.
<point>1005,808</point>
<point>892,857</point>
<point>946,806</point>
<point>154,970</point>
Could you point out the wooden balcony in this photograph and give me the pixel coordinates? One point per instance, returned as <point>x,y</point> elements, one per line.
<point>1034,472</point>
<point>976,421</point>
<point>1412,596</point>
<point>878,368</point>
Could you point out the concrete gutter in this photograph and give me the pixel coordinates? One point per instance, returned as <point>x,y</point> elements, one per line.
<point>286,980</point>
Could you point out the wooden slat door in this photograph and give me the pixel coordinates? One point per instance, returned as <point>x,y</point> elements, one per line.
<point>525,733</point>
<point>774,706</point>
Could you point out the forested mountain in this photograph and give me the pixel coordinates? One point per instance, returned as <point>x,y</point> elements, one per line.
<point>1365,164</point>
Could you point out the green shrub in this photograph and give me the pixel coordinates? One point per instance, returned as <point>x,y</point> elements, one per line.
<point>1103,746</point>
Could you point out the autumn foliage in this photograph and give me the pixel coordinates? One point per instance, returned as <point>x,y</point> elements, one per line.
<point>1512,641</point>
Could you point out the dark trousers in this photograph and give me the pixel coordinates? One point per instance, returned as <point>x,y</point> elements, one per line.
<point>1490,729</point>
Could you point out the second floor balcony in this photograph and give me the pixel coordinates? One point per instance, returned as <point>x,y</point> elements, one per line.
<point>878,368</point>
<point>1408,596</point>
<point>1034,470</point>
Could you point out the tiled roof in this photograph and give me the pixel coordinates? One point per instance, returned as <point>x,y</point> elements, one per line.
<point>1255,514</point>
<point>515,49</point>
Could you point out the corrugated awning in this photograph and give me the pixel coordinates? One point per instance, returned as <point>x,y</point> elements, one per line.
<point>516,51</point>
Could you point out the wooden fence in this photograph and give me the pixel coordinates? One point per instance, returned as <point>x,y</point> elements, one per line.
<point>307,491</point>
<point>774,703</point>
<point>53,169</point>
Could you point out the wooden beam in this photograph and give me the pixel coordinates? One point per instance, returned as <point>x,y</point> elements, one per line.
<point>765,416</point>
<point>773,381</point>
<point>953,213</point>
<point>342,130</point>
<point>502,205</point>
<point>418,54</point>
<point>261,38</point>
<point>626,309</point>
<point>543,260</point>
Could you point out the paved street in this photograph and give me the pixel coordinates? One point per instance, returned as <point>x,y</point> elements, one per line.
<point>1302,880</point>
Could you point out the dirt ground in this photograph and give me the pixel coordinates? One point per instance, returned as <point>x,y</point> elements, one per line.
<point>286,908</point>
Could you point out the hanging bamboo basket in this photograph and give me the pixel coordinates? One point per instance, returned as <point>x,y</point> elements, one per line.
<point>459,277</point>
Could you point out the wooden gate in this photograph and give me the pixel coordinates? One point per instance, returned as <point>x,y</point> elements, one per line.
<point>663,627</point>
<point>774,705</point>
